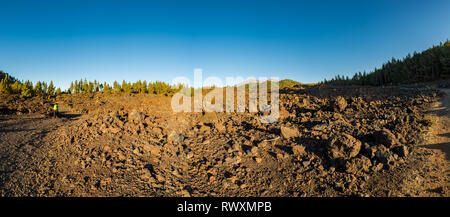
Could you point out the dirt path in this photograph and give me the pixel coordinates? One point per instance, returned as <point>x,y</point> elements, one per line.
<point>436,168</point>
<point>25,162</point>
<point>441,130</point>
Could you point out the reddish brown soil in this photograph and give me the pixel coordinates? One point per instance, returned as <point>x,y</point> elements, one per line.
<point>334,141</point>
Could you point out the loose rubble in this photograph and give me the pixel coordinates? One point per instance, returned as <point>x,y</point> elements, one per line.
<point>329,142</point>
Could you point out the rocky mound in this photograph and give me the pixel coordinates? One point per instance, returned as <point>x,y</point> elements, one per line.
<point>328,142</point>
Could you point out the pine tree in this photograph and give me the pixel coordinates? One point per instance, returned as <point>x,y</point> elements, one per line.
<point>96,86</point>
<point>44,88</point>
<point>27,89</point>
<point>38,88</point>
<point>106,88</point>
<point>90,87</point>
<point>71,88</point>
<point>144,87</point>
<point>77,87</point>
<point>51,89</point>
<point>116,87</point>
<point>16,87</point>
<point>85,86</point>
<point>5,86</point>
<point>58,91</point>
<point>151,88</point>
<point>125,86</point>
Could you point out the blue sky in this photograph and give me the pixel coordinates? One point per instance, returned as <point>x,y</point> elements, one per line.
<point>159,40</point>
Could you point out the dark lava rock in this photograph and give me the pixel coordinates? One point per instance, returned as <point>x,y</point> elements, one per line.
<point>355,165</point>
<point>289,132</point>
<point>298,150</point>
<point>402,151</point>
<point>386,138</point>
<point>136,116</point>
<point>339,104</point>
<point>175,138</point>
<point>343,146</point>
<point>385,156</point>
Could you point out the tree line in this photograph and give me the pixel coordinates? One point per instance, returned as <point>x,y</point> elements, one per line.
<point>157,87</point>
<point>10,85</point>
<point>429,65</point>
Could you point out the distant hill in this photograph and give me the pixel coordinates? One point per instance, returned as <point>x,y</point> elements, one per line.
<point>282,83</point>
<point>430,65</point>
<point>289,83</point>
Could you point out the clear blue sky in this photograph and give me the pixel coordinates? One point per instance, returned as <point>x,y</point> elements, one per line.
<point>302,40</point>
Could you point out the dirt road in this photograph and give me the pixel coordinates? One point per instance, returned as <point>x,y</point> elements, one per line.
<point>438,141</point>
<point>440,138</point>
<point>24,152</point>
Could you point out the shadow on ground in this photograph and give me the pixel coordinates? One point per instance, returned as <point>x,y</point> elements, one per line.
<point>67,115</point>
<point>444,147</point>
